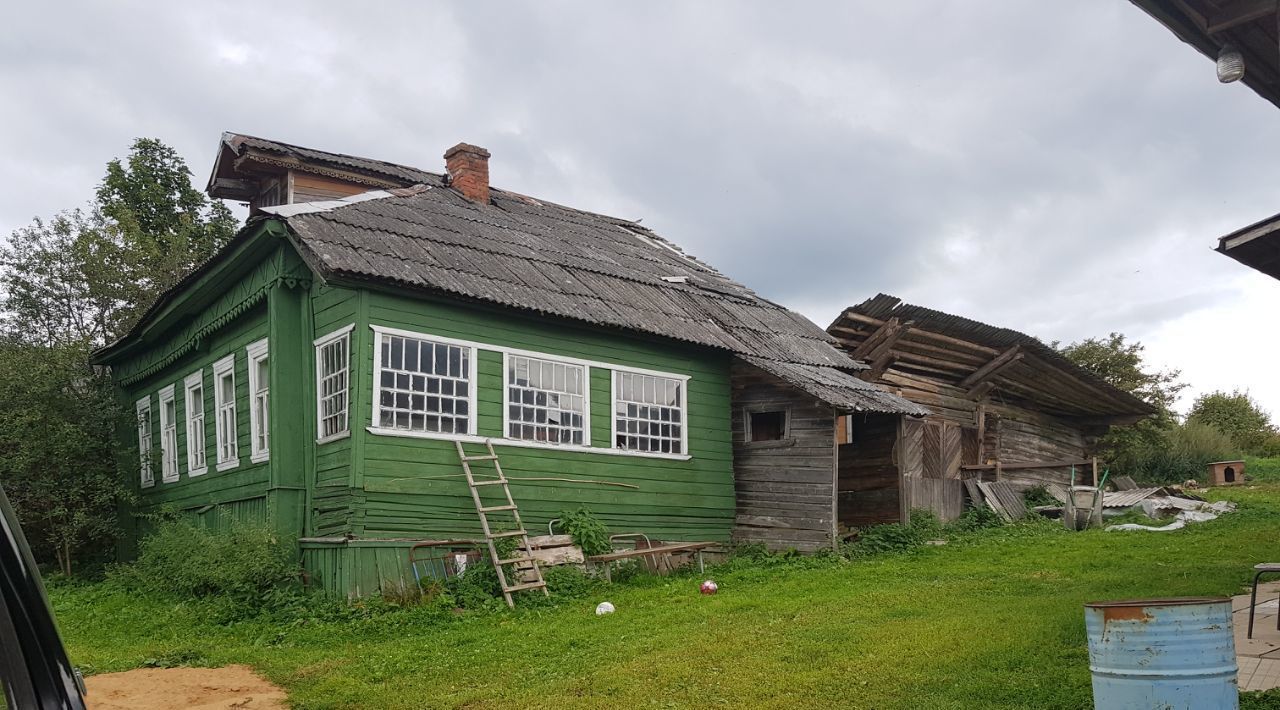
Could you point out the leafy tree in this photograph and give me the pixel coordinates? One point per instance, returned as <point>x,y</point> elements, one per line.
<point>88,274</point>
<point>162,226</point>
<point>57,419</point>
<point>1120,363</point>
<point>1236,415</point>
<point>68,285</point>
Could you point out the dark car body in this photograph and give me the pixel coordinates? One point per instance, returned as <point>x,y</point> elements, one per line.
<point>34,667</point>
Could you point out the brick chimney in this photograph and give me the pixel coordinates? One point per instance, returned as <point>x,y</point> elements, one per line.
<point>468,167</point>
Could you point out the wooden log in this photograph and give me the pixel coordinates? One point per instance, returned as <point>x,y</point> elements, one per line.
<point>920,333</point>
<point>1003,360</point>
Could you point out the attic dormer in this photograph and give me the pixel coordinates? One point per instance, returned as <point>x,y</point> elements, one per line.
<point>267,173</point>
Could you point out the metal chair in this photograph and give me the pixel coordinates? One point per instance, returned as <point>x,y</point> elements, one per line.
<point>1261,569</point>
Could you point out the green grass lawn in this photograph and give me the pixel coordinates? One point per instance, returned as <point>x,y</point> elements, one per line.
<point>993,621</point>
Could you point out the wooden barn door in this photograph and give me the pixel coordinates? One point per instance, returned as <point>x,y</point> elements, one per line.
<point>941,449</point>
<point>911,447</point>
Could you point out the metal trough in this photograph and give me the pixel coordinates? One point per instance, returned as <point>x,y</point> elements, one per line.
<point>1171,654</point>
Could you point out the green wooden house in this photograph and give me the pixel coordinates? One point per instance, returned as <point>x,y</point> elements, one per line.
<point>316,373</point>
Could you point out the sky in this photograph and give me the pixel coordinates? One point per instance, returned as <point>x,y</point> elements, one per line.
<point>1063,169</point>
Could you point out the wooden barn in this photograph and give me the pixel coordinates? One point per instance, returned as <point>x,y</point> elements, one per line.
<point>317,374</point>
<point>1001,405</point>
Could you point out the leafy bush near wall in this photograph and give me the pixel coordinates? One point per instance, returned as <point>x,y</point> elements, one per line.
<point>1182,452</point>
<point>587,531</point>
<point>243,562</point>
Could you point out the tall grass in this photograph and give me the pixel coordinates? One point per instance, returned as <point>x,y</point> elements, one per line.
<point>1181,453</point>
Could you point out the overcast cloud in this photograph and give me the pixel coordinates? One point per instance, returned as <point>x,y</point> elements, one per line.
<point>1058,168</point>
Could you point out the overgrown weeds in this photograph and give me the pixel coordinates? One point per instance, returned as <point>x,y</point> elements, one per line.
<point>243,562</point>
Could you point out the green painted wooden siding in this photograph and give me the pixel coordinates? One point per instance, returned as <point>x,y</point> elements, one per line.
<point>414,487</point>
<point>332,308</point>
<point>334,502</point>
<point>248,480</point>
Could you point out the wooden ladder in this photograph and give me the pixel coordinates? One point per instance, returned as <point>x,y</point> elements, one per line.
<point>525,555</point>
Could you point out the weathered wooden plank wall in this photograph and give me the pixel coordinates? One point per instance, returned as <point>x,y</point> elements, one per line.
<point>785,489</point>
<point>943,496</point>
<point>1008,433</point>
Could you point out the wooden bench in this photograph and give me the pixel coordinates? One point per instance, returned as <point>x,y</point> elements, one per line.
<point>653,553</point>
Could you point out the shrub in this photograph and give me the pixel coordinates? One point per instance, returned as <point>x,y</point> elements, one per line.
<point>244,561</point>
<point>975,518</point>
<point>1182,452</point>
<point>570,582</point>
<point>881,539</point>
<point>926,524</point>
<point>476,588</point>
<point>1038,495</point>
<point>587,530</point>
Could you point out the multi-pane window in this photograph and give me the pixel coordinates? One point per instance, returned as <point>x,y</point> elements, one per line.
<point>333,356</point>
<point>423,385</point>
<point>546,401</point>
<point>259,402</point>
<point>168,436</point>
<point>194,400</point>
<point>648,413</point>
<point>224,406</point>
<point>144,442</point>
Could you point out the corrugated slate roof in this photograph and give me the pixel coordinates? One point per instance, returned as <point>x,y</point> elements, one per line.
<point>537,256</point>
<point>838,388</point>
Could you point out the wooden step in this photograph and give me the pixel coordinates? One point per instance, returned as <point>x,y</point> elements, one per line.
<point>508,533</point>
<point>515,560</point>
<point>487,457</point>
<point>499,481</point>
<point>526,585</point>
<point>497,508</point>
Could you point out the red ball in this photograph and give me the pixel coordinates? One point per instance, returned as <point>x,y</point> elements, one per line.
<point>709,587</point>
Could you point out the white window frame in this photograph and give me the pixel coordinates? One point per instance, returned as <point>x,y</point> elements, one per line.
<point>506,397</point>
<point>225,366</point>
<point>683,406</point>
<point>196,425</point>
<point>378,331</point>
<point>168,436</point>
<point>146,442</point>
<point>472,376</point>
<point>259,446</point>
<point>342,334</point>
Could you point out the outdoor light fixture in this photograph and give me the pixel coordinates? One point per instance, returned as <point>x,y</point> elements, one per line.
<point>1230,64</point>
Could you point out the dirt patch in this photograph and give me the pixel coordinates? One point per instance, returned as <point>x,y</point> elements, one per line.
<point>166,688</point>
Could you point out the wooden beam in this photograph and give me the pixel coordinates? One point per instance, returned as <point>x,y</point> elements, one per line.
<point>980,418</point>
<point>981,390</point>
<point>1028,465</point>
<point>993,366</point>
<point>919,333</point>
<point>1112,420</point>
<point>887,344</point>
<point>1238,12</point>
<point>886,330</point>
<point>878,366</point>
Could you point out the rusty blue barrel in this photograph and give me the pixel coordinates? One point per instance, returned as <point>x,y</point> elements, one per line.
<point>1171,654</point>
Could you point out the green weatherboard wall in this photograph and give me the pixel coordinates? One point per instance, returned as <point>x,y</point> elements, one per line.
<point>358,502</point>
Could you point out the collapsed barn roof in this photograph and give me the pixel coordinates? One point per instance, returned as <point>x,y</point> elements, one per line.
<point>980,358</point>
<point>528,254</point>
